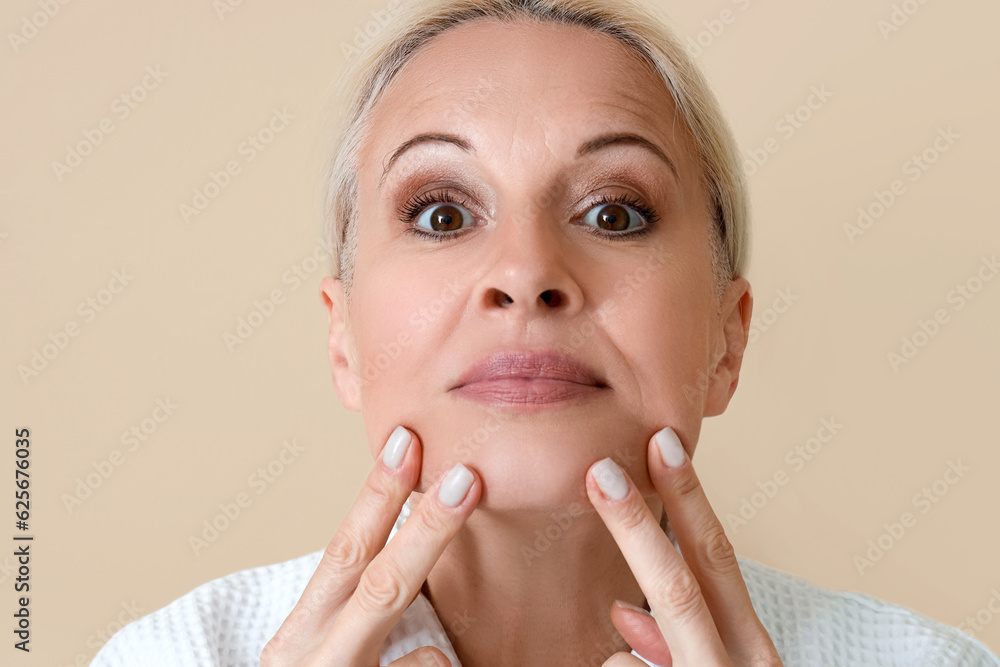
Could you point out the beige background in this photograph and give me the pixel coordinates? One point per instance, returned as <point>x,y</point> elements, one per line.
<point>162,336</point>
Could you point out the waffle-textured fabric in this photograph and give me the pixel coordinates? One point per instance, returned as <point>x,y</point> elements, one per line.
<point>227,622</point>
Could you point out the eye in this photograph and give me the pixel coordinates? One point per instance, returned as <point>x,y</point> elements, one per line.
<point>445,217</point>
<point>620,214</point>
<point>436,215</point>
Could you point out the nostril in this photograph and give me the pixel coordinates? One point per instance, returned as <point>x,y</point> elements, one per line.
<point>551,298</point>
<point>502,299</point>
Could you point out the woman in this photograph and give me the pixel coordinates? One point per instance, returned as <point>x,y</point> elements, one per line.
<point>539,222</point>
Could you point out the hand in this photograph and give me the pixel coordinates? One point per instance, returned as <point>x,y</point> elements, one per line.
<point>360,589</point>
<point>703,612</point>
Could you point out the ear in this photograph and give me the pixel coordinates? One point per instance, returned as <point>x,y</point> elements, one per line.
<point>731,334</point>
<point>340,344</point>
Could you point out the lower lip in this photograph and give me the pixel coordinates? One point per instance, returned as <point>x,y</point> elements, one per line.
<point>527,393</point>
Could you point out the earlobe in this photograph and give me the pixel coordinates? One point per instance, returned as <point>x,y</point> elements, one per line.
<point>341,349</point>
<point>732,335</point>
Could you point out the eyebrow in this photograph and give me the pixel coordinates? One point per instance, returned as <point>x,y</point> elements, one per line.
<point>586,148</point>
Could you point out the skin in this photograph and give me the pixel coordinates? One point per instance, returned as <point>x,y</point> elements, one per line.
<point>670,353</point>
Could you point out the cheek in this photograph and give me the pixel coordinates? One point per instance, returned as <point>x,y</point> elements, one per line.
<point>663,334</point>
<point>387,324</point>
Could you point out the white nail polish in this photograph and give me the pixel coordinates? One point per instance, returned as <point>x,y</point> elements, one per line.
<point>455,485</point>
<point>626,605</point>
<point>611,479</point>
<point>395,447</point>
<point>671,449</point>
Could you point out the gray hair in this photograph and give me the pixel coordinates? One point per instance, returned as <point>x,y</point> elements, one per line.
<point>413,24</point>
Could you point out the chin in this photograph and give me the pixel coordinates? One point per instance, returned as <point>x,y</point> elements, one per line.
<point>537,464</point>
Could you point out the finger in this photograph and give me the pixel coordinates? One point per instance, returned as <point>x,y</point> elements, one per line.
<point>426,656</point>
<point>639,629</point>
<point>670,587</point>
<point>397,573</point>
<point>626,660</point>
<point>363,532</point>
<point>705,547</point>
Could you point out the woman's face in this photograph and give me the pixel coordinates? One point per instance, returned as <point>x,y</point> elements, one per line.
<point>521,265</point>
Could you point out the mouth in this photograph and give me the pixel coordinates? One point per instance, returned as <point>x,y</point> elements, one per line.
<point>529,380</point>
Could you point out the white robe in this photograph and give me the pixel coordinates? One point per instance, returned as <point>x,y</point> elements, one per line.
<point>226,623</point>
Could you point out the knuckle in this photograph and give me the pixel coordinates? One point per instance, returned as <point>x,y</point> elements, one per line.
<point>344,552</point>
<point>381,589</point>
<point>716,554</point>
<point>687,486</point>
<point>433,524</point>
<point>380,488</point>
<point>681,595</point>
<point>632,516</point>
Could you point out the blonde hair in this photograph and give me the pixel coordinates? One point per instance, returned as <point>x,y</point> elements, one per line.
<point>413,24</point>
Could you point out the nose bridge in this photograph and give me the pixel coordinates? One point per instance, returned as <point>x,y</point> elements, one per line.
<point>530,268</point>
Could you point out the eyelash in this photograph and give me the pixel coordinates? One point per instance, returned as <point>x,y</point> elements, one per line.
<point>409,212</point>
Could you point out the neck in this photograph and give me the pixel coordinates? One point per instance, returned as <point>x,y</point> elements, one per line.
<point>532,587</point>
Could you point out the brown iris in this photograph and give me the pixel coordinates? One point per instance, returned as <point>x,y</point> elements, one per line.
<point>613,217</point>
<point>446,218</point>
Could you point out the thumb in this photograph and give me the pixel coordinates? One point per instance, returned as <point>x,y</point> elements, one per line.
<point>639,629</point>
<point>425,656</point>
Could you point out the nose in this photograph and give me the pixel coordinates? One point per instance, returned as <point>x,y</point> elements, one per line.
<point>530,271</point>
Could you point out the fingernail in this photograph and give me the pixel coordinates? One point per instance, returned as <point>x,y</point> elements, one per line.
<point>610,479</point>
<point>395,447</point>
<point>456,484</point>
<point>626,605</point>
<point>671,449</point>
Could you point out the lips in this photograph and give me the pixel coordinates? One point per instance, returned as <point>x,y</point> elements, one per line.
<point>528,378</point>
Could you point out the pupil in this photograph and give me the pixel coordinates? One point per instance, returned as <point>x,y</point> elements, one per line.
<point>446,219</point>
<point>614,217</point>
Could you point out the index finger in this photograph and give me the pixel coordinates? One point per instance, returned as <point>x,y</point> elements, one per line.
<point>707,550</point>
<point>362,533</point>
<point>396,574</point>
<point>671,588</point>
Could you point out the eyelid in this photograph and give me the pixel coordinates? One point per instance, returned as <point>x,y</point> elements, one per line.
<point>416,205</point>
<point>448,176</point>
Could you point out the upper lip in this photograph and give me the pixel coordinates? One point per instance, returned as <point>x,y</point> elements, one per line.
<point>530,364</point>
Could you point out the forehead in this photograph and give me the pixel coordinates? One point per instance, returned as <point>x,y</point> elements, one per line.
<point>541,85</point>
